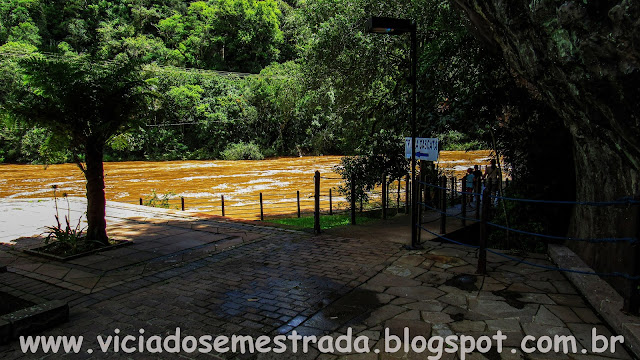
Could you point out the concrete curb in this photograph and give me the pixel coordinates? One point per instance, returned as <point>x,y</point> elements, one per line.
<point>32,320</point>
<point>604,299</point>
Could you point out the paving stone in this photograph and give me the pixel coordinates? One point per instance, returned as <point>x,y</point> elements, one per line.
<point>401,301</point>
<point>564,313</point>
<point>453,299</point>
<point>227,243</point>
<point>522,288</point>
<point>385,298</point>
<point>546,317</point>
<point>416,328</point>
<point>425,305</point>
<point>409,315</point>
<point>442,330</point>
<point>586,315</point>
<point>410,260</point>
<point>538,330</point>
<point>505,325</point>
<point>415,292</point>
<point>568,300</point>
<point>388,280</point>
<point>383,314</point>
<point>435,277</point>
<point>436,317</point>
<point>564,287</point>
<point>466,327</point>
<point>500,309</point>
<point>536,298</point>
<point>544,286</point>
<point>404,271</point>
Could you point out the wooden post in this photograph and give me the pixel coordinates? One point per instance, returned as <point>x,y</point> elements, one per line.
<point>222,199</point>
<point>420,210</point>
<point>398,199</point>
<point>140,201</point>
<point>464,201</point>
<point>384,196</point>
<point>261,209</point>
<point>353,202</point>
<point>316,213</point>
<point>330,202</point>
<point>298,195</point>
<point>443,205</point>
<point>482,255</point>
<point>632,300</point>
<point>407,202</point>
<point>506,183</point>
<point>453,190</point>
<point>182,202</point>
<point>478,189</point>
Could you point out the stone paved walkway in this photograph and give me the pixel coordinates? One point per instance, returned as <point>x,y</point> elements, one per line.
<point>209,276</point>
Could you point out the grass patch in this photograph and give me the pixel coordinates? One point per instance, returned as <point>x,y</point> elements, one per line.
<point>326,221</point>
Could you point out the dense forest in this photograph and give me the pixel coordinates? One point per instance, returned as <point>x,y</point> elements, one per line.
<point>247,78</point>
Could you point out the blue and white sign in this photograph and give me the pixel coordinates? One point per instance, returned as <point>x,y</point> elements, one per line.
<point>426,149</point>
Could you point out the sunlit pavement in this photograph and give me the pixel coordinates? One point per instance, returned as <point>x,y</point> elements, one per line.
<point>215,277</point>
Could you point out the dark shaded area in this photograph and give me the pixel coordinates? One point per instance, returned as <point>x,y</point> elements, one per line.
<point>581,60</point>
<point>463,282</point>
<point>10,303</point>
<point>511,297</point>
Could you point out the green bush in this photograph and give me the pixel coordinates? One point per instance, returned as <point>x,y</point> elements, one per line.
<point>242,151</point>
<point>159,201</point>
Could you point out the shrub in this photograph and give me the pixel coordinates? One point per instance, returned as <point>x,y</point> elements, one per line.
<point>159,201</point>
<point>242,151</point>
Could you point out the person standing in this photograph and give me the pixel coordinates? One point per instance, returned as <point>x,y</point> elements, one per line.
<point>470,180</point>
<point>477,178</point>
<point>492,176</point>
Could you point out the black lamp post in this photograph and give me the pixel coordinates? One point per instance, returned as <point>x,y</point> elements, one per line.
<point>392,26</point>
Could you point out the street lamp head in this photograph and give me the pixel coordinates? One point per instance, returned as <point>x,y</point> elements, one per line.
<point>391,26</point>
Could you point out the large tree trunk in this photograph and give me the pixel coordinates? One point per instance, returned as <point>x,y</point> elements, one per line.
<point>94,173</point>
<point>581,58</point>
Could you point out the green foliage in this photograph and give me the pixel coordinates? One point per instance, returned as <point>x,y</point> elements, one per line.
<point>237,35</point>
<point>456,140</point>
<point>242,151</point>
<point>384,156</point>
<point>326,222</point>
<point>67,239</point>
<point>161,201</point>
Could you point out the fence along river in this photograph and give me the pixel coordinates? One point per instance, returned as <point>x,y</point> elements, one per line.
<point>203,183</point>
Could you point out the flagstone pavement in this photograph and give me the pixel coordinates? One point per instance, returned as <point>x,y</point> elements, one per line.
<point>208,275</point>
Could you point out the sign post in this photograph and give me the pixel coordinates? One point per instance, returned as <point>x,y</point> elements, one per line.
<point>424,149</point>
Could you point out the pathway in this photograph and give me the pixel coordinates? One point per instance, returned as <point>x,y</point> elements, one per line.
<point>209,276</point>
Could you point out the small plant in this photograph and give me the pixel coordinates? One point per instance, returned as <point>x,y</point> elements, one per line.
<point>67,239</point>
<point>159,201</point>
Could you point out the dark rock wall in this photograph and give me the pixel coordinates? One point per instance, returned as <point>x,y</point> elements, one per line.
<point>583,59</point>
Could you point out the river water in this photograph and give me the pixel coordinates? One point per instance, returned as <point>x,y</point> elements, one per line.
<point>202,183</point>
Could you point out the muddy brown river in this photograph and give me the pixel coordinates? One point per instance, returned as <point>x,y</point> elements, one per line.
<point>202,183</point>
